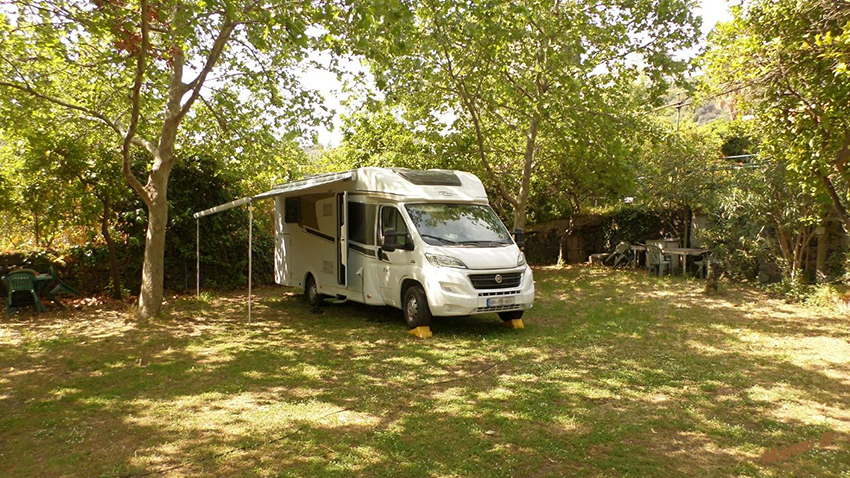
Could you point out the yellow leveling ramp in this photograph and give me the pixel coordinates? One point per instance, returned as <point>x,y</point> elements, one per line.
<point>514,324</point>
<point>422,332</point>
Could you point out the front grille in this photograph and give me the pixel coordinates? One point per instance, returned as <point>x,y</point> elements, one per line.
<point>501,292</point>
<point>488,281</point>
<point>499,308</point>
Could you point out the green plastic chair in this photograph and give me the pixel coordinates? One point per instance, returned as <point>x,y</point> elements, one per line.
<point>620,253</point>
<point>61,287</point>
<point>702,265</point>
<point>23,283</point>
<point>655,258</point>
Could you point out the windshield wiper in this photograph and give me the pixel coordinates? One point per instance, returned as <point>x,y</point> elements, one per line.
<point>442,239</point>
<point>484,243</point>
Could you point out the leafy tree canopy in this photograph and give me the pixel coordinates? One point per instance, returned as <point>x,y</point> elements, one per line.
<point>528,83</point>
<point>786,61</point>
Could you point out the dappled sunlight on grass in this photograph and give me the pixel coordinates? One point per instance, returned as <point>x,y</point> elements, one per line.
<point>616,373</point>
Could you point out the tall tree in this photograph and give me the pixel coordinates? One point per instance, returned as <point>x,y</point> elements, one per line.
<point>518,76</point>
<point>682,172</point>
<point>787,63</point>
<point>137,68</point>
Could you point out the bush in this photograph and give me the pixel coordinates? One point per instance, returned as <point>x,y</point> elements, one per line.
<point>823,295</point>
<point>196,184</point>
<point>828,296</point>
<point>792,291</point>
<point>632,224</point>
<point>736,244</point>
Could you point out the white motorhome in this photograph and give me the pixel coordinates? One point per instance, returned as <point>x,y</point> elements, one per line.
<point>426,242</point>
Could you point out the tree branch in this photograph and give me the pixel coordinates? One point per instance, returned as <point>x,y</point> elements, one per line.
<point>137,140</point>
<point>222,123</point>
<point>90,113</point>
<point>29,90</point>
<point>134,114</point>
<point>839,207</point>
<point>843,155</point>
<point>215,53</point>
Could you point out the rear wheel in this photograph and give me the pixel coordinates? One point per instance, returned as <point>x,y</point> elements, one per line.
<point>512,315</point>
<point>311,292</point>
<point>415,306</point>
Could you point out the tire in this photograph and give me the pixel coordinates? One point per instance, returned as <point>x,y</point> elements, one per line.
<point>415,307</point>
<point>512,315</point>
<point>311,292</point>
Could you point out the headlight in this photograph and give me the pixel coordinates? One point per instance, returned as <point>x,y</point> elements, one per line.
<point>520,261</point>
<point>445,261</point>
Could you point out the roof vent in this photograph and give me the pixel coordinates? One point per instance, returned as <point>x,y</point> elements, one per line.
<point>431,177</point>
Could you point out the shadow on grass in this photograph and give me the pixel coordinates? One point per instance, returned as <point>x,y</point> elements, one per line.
<point>617,373</point>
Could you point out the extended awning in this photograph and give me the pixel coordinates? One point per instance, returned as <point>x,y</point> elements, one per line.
<point>301,185</point>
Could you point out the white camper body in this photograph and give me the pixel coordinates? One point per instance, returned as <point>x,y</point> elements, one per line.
<point>370,235</point>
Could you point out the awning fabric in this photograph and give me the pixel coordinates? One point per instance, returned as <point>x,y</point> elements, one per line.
<point>309,182</point>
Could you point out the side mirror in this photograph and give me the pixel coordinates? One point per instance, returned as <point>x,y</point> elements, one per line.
<point>390,244</point>
<point>519,238</point>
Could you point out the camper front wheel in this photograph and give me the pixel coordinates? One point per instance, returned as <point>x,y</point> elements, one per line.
<point>311,292</point>
<point>416,311</point>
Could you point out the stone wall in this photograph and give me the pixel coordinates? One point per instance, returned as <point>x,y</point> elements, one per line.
<point>591,234</point>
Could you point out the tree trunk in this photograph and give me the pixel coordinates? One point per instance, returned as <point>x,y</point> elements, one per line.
<point>837,204</point>
<point>563,255</point>
<point>519,216</point>
<point>527,167</point>
<point>150,297</point>
<point>686,237</point>
<point>117,287</point>
<point>156,192</point>
<point>785,249</point>
<point>820,260</point>
<point>37,232</point>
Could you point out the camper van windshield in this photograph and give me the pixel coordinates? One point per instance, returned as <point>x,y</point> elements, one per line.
<point>458,224</point>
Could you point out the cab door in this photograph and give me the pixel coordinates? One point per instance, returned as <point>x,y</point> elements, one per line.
<point>394,260</point>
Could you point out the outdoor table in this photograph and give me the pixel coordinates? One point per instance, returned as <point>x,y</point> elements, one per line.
<point>683,253</point>
<point>637,249</point>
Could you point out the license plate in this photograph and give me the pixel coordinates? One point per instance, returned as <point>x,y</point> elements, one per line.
<point>497,301</point>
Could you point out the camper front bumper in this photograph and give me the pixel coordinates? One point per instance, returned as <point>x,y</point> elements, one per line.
<point>458,292</point>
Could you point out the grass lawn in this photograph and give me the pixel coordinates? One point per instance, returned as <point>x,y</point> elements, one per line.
<point>616,374</point>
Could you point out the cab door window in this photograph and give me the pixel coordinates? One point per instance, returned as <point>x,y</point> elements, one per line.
<point>391,218</point>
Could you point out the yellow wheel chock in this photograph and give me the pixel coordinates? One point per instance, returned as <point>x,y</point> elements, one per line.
<point>422,332</point>
<point>514,324</point>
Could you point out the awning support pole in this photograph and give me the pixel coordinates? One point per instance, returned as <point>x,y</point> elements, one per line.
<point>198,256</point>
<point>250,254</point>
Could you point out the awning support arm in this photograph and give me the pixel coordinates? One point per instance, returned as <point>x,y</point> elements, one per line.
<point>250,254</point>
<point>198,256</point>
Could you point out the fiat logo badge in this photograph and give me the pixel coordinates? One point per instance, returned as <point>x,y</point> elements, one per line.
<point>498,278</point>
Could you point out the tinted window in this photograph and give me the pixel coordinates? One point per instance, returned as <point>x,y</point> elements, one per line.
<point>458,224</point>
<point>292,210</point>
<point>391,218</point>
<point>361,222</point>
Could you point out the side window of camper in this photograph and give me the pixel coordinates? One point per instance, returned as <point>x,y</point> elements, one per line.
<point>361,222</point>
<point>391,218</point>
<point>292,210</point>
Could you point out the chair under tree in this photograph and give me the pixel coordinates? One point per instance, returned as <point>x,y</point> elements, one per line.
<point>620,254</point>
<point>702,265</point>
<point>20,288</point>
<point>655,259</point>
<point>60,288</point>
